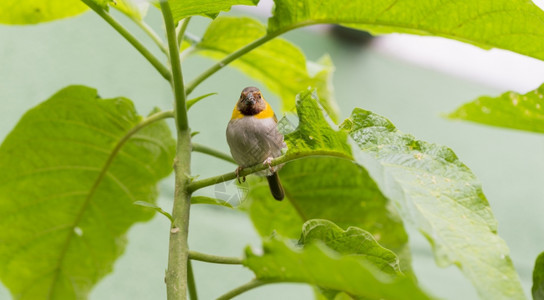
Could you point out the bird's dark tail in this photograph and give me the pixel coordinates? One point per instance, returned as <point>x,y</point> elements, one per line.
<point>275,186</point>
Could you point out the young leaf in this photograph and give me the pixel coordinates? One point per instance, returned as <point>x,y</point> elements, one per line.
<point>509,110</point>
<point>209,8</point>
<point>63,216</point>
<point>440,195</point>
<point>318,265</point>
<point>314,134</point>
<point>352,241</point>
<point>16,12</point>
<point>515,25</point>
<point>538,278</point>
<point>278,64</point>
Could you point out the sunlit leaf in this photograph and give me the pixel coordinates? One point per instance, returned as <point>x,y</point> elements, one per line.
<point>538,278</point>
<point>509,110</point>
<point>136,9</point>
<point>278,64</point>
<point>210,8</point>
<point>37,11</point>
<point>318,265</point>
<point>432,189</point>
<point>62,225</point>
<point>516,25</point>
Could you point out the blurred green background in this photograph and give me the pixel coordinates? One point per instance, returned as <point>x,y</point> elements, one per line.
<point>36,61</point>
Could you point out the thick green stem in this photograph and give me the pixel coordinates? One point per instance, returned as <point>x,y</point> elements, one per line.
<point>241,289</point>
<point>178,252</point>
<point>130,38</point>
<point>177,76</point>
<point>196,185</point>
<point>227,60</point>
<point>210,151</point>
<point>225,260</point>
<point>191,281</point>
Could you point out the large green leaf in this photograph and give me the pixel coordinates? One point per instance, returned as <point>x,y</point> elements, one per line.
<point>516,25</point>
<point>509,110</point>
<point>278,64</point>
<point>62,225</point>
<point>441,196</point>
<point>352,241</point>
<point>36,11</point>
<point>210,8</point>
<point>329,188</point>
<point>538,278</point>
<point>319,265</point>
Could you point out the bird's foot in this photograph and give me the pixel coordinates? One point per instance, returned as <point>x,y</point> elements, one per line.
<point>237,172</point>
<point>268,162</point>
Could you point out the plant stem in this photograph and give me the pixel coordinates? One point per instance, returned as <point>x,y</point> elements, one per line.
<point>181,31</point>
<point>130,38</point>
<point>178,252</point>
<point>228,59</point>
<point>214,258</point>
<point>196,185</point>
<point>151,33</point>
<point>241,289</point>
<point>173,49</point>
<point>191,281</point>
<point>210,151</point>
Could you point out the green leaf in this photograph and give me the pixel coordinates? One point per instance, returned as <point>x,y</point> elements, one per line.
<point>441,196</point>
<point>314,134</point>
<point>509,110</point>
<point>538,278</point>
<point>156,208</point>
<point>324,187</point>
<point>63,224</point>
<point>278,64</point>
<point>136,9</point>
<point>209,200</point>
<point>318,265</point>
<point>515,25</point>
<point>352,241</point>
<point>16,12</point>
<point>209,8</point>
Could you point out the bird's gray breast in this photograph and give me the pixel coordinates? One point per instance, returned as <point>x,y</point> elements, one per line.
<point>253,140</point>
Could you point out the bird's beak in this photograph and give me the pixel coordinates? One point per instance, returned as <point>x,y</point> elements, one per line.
<point>249,99</point>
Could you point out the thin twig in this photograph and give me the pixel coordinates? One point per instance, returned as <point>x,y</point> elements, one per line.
<point>214,258</point>
<point>210,151</point>
<point>241,289</point>
<point>191,281</point>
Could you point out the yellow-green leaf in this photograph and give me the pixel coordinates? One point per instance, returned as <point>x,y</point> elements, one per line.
<point>63,217</point>
<point>278,64</point>
<point>509,110</point>
<point>516,25</point>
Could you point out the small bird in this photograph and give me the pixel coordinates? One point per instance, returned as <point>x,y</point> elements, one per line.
<point>253,137</point>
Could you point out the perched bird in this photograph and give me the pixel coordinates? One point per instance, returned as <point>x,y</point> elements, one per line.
<point>253,136</point>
